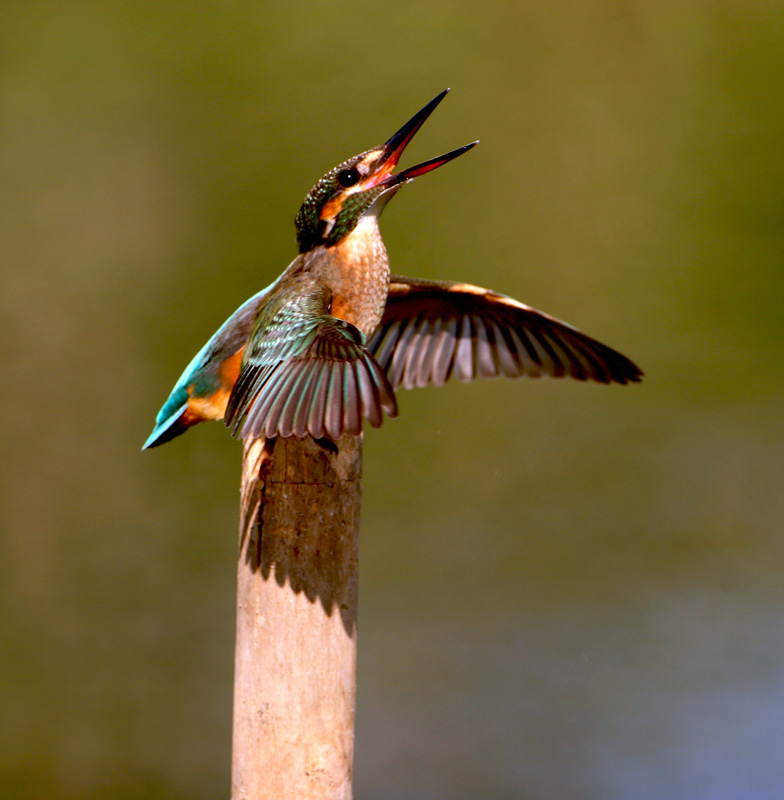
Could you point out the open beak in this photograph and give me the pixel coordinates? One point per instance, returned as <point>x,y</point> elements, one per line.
<point>394,147</point>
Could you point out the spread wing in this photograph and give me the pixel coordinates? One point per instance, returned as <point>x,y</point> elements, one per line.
<point>305,372</point>
<point>433,330</point>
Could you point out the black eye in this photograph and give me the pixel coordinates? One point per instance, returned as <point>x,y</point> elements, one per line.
<point>348,177</point>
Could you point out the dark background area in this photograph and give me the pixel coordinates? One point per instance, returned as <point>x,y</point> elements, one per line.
<point>567,590</point>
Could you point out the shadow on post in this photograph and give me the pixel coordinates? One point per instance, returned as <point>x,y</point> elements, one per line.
<point>300,518</point>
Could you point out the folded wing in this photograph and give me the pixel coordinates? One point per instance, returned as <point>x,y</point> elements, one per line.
<point>307,373</point>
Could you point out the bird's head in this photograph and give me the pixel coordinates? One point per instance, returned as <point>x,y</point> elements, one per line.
<point>361,185</point>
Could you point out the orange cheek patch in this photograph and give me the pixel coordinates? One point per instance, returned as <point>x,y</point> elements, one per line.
<point>331,208</point>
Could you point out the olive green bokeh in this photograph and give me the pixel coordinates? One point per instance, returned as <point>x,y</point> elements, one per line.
<point>568,591</point>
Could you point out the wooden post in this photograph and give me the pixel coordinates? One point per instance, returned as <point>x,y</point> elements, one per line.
<point>295,661</point>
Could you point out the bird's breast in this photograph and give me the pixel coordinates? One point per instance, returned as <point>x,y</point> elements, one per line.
<point>357,273</point>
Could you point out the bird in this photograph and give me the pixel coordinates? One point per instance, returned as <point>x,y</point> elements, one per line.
<point>324,347</point>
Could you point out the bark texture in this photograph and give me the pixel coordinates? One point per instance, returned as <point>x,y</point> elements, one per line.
<point>295,661</point>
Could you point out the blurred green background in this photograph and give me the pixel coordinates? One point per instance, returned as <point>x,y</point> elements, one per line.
<point>568,591</point>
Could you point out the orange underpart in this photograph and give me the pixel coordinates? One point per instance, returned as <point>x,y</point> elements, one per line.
<point>229,370</point>
<point>213,406</point>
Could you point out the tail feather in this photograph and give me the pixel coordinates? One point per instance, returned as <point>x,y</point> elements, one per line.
<point>167,429</point>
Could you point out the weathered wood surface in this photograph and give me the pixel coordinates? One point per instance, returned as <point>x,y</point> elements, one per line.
<point>295,661</point>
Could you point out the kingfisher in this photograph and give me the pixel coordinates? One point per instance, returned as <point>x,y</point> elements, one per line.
<point>325,347</point>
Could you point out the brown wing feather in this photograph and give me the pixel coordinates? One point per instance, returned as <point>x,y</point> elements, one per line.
<point>324,390</point>
<point>431,330</point>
